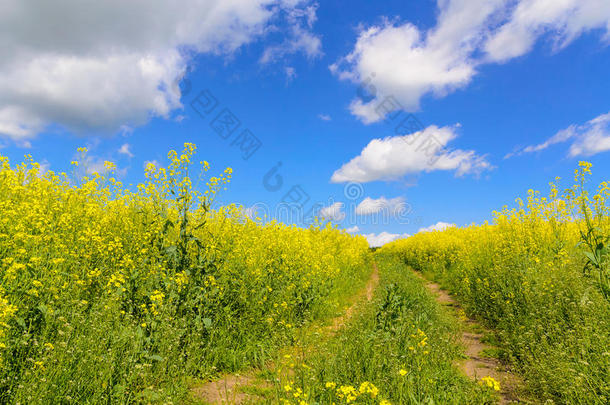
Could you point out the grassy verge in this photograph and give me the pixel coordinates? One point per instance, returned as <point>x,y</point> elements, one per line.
<point>553,327</point>
<point>400,348</point>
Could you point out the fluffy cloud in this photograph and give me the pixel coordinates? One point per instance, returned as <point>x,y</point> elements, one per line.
<point>324,117</point>
<point>588,139</point>
<point>377,240</point>
<point>439,226</point>
<point>353,229</point>
<point>400,60</point>
<point>530,19</point>
<point>426,150</point>
<point>125,149</point>
<point>333,212</point>
<point>91,66</point>
<point>370,206</point>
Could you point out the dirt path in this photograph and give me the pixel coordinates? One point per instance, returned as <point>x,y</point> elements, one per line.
<point>367,292</point>
<point>477,365</point>
<point>229,389</point>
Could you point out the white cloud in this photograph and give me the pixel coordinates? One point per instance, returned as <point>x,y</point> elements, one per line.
<point>334,212</point>
<point>566,20</point>
<point>393,157</point>
<point>377,240</point>
<point>588,139</point>
<point>592,138</point>
<point>370,206</point>
<point>324,117</point>
<point>366,112</point>
<point>125,149</point>
<point>409,63</point>
<point>439,226</point>
<point>300,38</point>
<point>353,229</point>
<point>95,164</point>
<point>113,63</point>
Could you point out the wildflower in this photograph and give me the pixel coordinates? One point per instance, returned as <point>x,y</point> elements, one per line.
<point>402,372</point>
<point>368,388</point>
<point>491,383</point>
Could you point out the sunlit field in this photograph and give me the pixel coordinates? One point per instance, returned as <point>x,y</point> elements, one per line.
<point>112,295</point>
<point>539,276</point>
<point>304,202</point>
<point>116,296</point>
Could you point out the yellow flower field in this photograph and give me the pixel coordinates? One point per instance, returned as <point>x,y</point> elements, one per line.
<point>539,274</point>
<point>112,295</point>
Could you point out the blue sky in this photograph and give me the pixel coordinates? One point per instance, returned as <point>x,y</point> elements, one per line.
<point>507,95</point>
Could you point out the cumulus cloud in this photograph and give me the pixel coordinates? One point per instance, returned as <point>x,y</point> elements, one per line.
<point>113,63</point>
<point>565,20</point>
<point>377,240</point>
<point>353,229</point>
<point>587,139</point>
<point>409,63</point>
<point>324,117</point>
<point>370,206</point>
<point>333,212</point>
<point>439,226</point>
<point>125,149</point>
<point>423,151</point>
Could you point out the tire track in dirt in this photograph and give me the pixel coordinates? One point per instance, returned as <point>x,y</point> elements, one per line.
<point>229,388</point>
<point>476,365</point>
<point>366,292</point>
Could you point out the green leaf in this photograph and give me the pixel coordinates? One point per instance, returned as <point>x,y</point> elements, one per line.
<point>592,258</point>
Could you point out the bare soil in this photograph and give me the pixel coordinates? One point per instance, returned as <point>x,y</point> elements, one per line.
<point>476,364</point>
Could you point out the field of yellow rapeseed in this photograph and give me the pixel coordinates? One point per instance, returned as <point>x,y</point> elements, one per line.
<point>118,295</point>
<point>539,275</point>
<point>112,295</point>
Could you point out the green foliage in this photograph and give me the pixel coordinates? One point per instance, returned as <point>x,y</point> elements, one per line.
<point>402,343</point>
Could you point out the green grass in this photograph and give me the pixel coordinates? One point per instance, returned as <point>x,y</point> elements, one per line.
<point>383,338</point>
<point>552,327</point>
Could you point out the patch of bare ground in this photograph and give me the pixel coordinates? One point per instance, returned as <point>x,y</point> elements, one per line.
<point>234,388</point>
<point>476,363</point>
